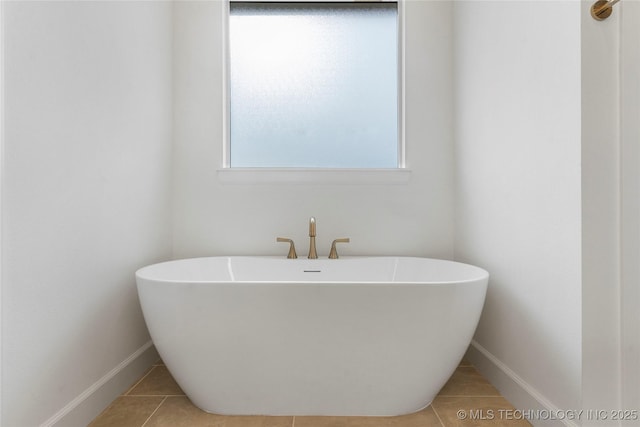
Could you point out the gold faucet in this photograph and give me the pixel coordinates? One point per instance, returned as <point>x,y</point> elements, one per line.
<point>312,239</point>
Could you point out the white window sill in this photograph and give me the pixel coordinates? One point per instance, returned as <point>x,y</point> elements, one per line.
<point>314,176</point>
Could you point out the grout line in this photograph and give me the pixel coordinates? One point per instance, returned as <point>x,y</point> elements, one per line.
<point>126,393</point>
<point>437,415</point>
<point>153,413</point>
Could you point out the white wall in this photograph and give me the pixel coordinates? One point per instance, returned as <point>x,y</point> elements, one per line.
<point>600,211</point>
<point>211,218</point>
<point>630,226</point>
<point>85,193</point>
<point>518,187</point>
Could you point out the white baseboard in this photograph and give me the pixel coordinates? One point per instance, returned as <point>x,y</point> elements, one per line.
<point>88,405</point>
<point>516,390</point>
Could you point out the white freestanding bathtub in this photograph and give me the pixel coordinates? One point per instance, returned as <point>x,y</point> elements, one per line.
<point>274,336</point>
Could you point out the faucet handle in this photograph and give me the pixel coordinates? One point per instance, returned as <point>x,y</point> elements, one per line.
<point>333,254</point>
<point>292,248</point>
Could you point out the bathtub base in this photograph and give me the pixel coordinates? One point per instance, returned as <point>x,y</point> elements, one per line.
<point>319,415</point>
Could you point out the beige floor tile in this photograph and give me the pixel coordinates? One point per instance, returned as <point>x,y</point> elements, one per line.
<point>178,411</point>
<point>128,411</point>
<point>424,418</point>
<point>477,412</point>
<point>467,381</point>
<point>131,387</point>
<point>158,382</point>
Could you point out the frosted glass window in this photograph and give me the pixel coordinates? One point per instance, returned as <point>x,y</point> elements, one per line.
<point>313,85</point>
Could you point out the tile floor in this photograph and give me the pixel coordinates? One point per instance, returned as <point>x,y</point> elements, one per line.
<point>157,401</point>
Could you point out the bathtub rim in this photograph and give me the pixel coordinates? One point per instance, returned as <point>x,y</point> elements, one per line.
<point>483,275</point>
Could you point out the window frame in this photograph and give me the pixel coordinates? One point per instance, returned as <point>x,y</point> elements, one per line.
<point>282,174</point>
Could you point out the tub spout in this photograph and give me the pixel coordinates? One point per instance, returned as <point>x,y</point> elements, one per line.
<point>312,239</point>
